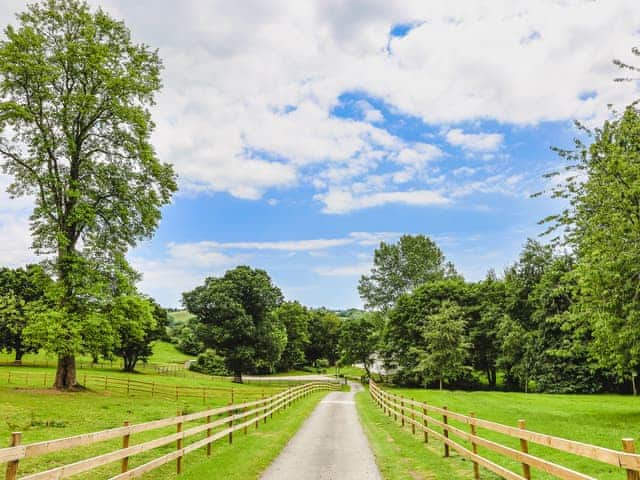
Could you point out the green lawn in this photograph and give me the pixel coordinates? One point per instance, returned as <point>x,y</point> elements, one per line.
<point>43,415</point>
<point>596,419</point>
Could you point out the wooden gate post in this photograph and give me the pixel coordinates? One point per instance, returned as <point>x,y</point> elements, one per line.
<point>445,431</point>
<point>628,445</point>
<point>208,420</point>
<point>474,447</point>
<point>231,424</point>
<point>179,445</point>
<point>125,444</point>
<point>413,417</point>
<point>425,422</point>
<point>12,467</point>
<point>524,446</point>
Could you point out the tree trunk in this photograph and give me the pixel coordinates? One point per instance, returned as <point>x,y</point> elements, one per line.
<point>18,359</point>
<point>441,384</point>
<point>237,377</point>
<point>66,373</point>
<point>633,384</point>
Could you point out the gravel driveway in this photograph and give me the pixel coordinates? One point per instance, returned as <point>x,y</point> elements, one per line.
<point>329,445</point>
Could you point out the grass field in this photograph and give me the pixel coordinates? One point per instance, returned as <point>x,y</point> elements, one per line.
<point>43,415</point>
<point>596,419</point>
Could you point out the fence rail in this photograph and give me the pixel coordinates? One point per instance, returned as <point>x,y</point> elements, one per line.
<point>129,386</point>
<point>171,369</point>
<point>422,416</point>
<point>233,418</point>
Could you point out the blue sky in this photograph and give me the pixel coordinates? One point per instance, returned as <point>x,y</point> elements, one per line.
<point>305,133</point>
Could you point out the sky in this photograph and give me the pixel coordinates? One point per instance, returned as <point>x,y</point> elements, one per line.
<point>304,133</point>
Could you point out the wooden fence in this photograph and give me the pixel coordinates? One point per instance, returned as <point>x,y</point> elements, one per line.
<point>129,386</point>
<point>424,417</point>
<point>233,418</point>
<point>170,369</point>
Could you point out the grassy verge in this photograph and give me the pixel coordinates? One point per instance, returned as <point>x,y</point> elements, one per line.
<point>596,419</point>
<point>44,415</point>
<point>400,455</point>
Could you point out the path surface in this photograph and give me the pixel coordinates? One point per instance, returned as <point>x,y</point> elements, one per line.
<point>330,445</point>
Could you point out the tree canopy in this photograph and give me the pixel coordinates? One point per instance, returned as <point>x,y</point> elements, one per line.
<point>75,129</point>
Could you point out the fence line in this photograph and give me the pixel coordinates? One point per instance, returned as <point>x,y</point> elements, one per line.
<point>129,386</point>
<point>233,418</point>
<point>170,369</point>
<point>421,416</point>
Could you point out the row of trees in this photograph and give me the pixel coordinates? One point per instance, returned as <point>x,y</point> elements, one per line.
<point>123,325</point>
<point>243,324</point>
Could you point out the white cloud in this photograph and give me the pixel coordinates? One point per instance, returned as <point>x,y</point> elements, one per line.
<point>369,112</point>
<point>342,201</point>
<point>479,142</point>
<point>344,270</point>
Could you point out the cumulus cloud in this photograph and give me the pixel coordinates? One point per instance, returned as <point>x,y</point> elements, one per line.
<point>342,201</point>
<point>479,142</point>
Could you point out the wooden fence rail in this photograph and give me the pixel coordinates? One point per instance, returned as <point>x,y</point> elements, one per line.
<point>170,369</point>
<point>129,386</point>
<point>234,417</point>
<point>426,417</point>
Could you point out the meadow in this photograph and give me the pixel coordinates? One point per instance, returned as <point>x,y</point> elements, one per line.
<point>601,420</point>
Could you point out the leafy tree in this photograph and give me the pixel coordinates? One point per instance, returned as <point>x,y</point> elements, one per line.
<point>75,132</point>
<point>404,331</point>
<point>324,336</point>
<point>210,363</point>
<point>444,357</point>
<point>295,319</point>
<point>186,337</point>
<point>401,267</point>
<point>235,316</point>
<point>358,342</point>
<point>23,291</point>
<point>602,225</point>
<point>138,323</point>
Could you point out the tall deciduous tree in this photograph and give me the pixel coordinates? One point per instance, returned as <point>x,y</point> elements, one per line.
<point>359,341</point>
<point>75,127</point>
<point>235,318</point>
<point>602,224</point>
<point>401,267</point>
<point>295,319</point>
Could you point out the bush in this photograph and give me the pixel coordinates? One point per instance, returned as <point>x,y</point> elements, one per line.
<point>210,363</point>
<point>321,365</point>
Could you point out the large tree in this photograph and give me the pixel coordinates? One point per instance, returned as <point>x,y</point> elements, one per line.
<point>75,129</point>
<point>401,267</point>
<point>602,225</point>
<point>295,319</point>
<point>235,316</point>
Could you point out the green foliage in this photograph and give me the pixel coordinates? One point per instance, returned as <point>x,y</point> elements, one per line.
<point>401,267</point>
<point>295,319</point>
<point>445,353</point>
<point>601,224</point>
<point>75,131</point>
<point>235,318</point>
<point>324,335</point>
<point>23,293</point>
<point>186,338</point>
<point>210,363</point>
<point>359,341</point>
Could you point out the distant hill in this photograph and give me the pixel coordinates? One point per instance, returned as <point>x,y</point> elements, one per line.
<point>180,316</point>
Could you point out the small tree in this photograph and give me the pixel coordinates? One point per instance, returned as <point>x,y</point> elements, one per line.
<point>75,130</point>
<point>295,319</point>
<point>358,342</point>
<point>22,293</point>
<point>235,318</point>
<point>446,352</point>
<point>324,336</point>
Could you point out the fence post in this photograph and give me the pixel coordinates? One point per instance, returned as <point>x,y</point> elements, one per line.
<point>12,467</point>
<point>426,424</point>
<point>153,389</point>
<point>125,444</point>
<point>628,445</point>
<point>230,424</point>
<point>106,380</point>
<point>445,431</point>
<point>402,412</point>
<point>176,393</point>
<point>474,447</point>
<point>45,380</point>
<point>244,420</point>
<point>208,420</point>
<point>413,417</point>
<point>128,385</point>
<point>84,381</point>
<point>524,446</point>
<point>179,445</point>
